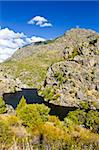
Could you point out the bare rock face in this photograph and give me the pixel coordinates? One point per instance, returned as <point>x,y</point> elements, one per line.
<point>76,79</point>
<point>8,84</point>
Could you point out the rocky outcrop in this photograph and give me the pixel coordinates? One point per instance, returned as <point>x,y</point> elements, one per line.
<point>75,80</point>
<point>8,84</point>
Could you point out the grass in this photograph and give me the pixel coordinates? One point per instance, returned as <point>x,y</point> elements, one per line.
<point>32,70</point>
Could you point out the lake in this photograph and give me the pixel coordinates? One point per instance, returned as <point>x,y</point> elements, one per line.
<point>32,97</point>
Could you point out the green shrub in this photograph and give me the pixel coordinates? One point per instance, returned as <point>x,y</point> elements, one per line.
<point>84,105</point>
<point>59,77</point>
<point>34,114</point>
<point>92,120</point>
<point>2,106</point>
<point>21,104</point>
<point>48,93</point>
<point>78,116</point>
<point>89,119</point>
<point>68,123</point>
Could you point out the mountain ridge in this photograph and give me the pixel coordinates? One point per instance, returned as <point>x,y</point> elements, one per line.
<point>77,47</point>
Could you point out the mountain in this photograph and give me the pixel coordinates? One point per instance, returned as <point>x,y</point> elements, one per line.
<point>64,69</point>
<point>70,38</point>
<point>65,72</point>
<point>75,80</point>
<point>30,63</point>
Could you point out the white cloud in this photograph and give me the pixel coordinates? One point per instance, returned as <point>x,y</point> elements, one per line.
<point>37,39</point>
<point>40,21</point>
<point>10,41</point>
<point>46,25</point>
<point>8,34</point>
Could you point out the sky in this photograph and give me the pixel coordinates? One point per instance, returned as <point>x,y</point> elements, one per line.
<point>40,20</point>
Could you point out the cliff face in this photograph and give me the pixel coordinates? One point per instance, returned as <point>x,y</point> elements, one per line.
<point>76,79</point>
<point>8,84</point>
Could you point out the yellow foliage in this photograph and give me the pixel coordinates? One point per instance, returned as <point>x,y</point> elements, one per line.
<point>54,133</point>
<point>13,121</point>
<point>55,120</point>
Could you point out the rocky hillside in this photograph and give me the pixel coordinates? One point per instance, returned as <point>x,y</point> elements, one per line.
<point>71,38</point>
<point>9,84</point>
<point>76,79</point>
<point>73,58</point>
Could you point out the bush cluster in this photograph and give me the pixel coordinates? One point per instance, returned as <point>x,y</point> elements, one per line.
<point>31,127</point>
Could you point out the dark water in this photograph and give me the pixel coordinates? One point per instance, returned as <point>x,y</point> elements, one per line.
<point>31,96</point>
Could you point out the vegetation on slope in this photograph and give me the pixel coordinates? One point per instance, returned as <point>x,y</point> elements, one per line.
<point>31,127</point>
<point>32,70</point>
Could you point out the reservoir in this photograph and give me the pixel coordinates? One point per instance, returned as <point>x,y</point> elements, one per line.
<point>32,97</point>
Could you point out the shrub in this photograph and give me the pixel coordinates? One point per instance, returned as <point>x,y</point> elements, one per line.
<point>68,123</point>
<point>21,104</point>
<point>55,121</point>
<point>13,121</point>
<point>92,120</point>
<point>55,137</point>
<point>59,77</point>
<point>6,137</point>
<point>48,93</point>
<point>2,106</point>
<point>78,116</point>
<point>84,105</point>
<point>34,114</point>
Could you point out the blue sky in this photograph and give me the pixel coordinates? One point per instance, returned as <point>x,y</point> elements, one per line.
<point>62,15</point>
<point>25,22</point>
